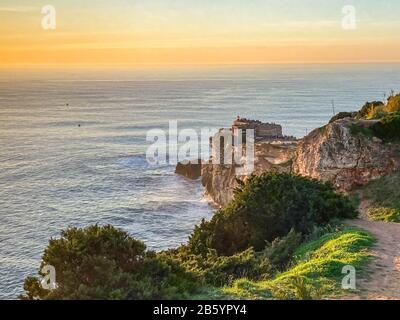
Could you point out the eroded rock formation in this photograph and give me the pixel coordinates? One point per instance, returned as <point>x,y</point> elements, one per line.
<point>333,153</point>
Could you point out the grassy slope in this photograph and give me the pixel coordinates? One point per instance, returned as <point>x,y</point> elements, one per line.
<point>316,271</point>
<point>384,194</point>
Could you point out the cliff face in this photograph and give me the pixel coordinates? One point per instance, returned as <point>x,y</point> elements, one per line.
<point>220,181</point>
<point>331,153</point>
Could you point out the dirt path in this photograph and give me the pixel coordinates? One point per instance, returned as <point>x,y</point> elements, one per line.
<point>383,274</point>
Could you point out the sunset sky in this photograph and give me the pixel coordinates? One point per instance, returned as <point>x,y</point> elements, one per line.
<point>194,31</point>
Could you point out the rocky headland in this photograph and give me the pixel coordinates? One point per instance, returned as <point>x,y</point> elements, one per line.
<point>336,152</point>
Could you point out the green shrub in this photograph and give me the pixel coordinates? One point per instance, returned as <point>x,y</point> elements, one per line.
<point>393,104</point>
<point>267,207</point>
<point>371,110</point>
<point>388,128</point>
<point>222,270</point>
<point>216,270</point>
<point>280,251</point>
<point>106,263</point>
<point>356,129</point>
<point>385,191</point>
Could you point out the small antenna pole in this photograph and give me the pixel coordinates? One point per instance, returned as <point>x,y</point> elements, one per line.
<point>333,107</point>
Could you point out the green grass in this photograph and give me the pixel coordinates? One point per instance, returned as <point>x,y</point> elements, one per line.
<point>384,193</point>
<point>356,129</point>
<point>316,271</point>
<point>384,214</point>
<point>209,293</point>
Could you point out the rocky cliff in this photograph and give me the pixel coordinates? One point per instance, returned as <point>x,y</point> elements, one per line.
<point>219,181</point>
<point>332,153</point>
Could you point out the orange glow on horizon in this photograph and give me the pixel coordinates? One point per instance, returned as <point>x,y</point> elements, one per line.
<point>227,32</point>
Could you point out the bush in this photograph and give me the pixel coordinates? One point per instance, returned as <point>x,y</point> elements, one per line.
<point>356,129</point>
<point>388,128</point>
<point>393,104</point>
<point>384,191</point>
<point>106,263</point>
<point>371,110</point>
<point>220,270</point>
<point>223,270</point>
<point>267,207</point>
<point>280,251</point>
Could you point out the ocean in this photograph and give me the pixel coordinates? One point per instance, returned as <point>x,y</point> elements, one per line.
<point>73,143</point>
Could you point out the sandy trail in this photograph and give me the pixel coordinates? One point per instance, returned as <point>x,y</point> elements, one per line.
<point>383,273</point>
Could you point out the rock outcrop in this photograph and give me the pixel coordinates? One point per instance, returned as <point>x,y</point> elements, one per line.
<point>333,153</point>
<point>191,170</point>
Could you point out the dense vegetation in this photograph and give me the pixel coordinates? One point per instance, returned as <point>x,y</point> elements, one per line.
<point>106,263</point>
<point>267,207</point>
<point>388,128</point>
<point>254,237</point>
<point>384,193</point>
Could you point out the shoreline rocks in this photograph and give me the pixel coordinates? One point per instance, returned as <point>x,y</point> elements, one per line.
<point>190,170</point>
